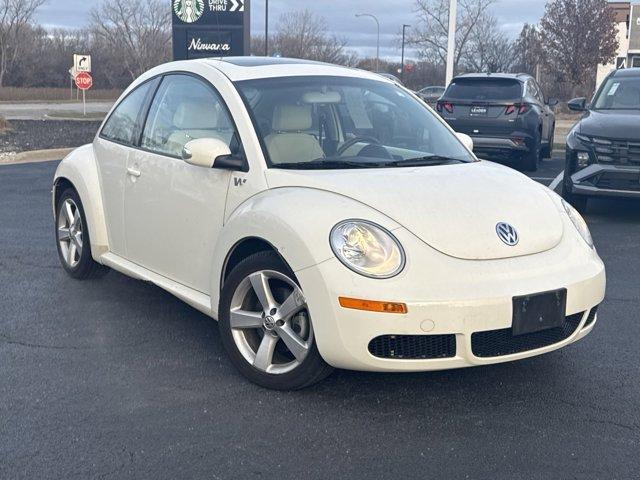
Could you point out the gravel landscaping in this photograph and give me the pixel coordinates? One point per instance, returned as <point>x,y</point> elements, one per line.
<point>25,135</point>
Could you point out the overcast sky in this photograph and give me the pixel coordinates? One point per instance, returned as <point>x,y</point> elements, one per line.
<point>359,32</point>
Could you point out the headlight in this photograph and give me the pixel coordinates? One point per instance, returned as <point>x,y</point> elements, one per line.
<point>579,223</point>
<point>367,249</point>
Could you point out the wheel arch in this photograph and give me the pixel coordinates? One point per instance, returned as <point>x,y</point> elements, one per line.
<point>288,221</point>
<point>79,171</point>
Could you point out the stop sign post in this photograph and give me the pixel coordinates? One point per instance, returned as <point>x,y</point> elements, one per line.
<point>84,82</point>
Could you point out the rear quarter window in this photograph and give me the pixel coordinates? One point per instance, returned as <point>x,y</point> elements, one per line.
<point>484,89</point>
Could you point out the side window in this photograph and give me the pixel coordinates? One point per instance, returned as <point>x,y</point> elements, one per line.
<point>123,125</point>
<point>185,109</point>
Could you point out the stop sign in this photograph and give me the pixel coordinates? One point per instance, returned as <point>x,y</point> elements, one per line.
<point>84,81</point>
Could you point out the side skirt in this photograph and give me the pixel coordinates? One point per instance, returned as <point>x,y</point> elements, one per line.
<point>197,300</point>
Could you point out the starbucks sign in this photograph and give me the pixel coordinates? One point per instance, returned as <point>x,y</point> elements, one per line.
<point>210,28</point>
<point>189,11</point>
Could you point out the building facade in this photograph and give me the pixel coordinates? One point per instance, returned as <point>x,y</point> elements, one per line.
<point>628,21</point>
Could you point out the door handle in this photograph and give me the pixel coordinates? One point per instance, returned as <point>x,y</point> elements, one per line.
<point>133,172</point>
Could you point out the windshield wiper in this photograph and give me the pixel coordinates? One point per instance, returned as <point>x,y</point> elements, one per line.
<point>426,160</point>
<point>327,164</point>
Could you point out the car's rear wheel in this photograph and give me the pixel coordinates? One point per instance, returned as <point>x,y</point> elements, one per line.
<point>72,238</point>
<point>531,159</point>
<point>266,326</point>
<point>579,202</point>
<point>547,151</point>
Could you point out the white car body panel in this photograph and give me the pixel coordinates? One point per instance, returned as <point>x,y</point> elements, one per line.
<point>176,225</point>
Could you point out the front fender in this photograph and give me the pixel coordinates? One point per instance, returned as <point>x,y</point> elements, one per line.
<point>81,170</point>
<point>295,220</point>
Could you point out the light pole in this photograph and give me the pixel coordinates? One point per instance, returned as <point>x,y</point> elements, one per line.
<point>266,28</point>
<point>358,15</point>
<point>451,46</point>
<point>404,29</point>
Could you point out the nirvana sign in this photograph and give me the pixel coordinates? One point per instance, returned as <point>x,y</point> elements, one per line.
<point>210,28</point>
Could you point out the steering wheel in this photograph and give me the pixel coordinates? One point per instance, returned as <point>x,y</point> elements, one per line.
<point>350,143</point>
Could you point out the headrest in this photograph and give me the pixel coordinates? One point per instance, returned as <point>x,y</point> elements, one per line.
<point>196,115</point>
<point>292,118</point>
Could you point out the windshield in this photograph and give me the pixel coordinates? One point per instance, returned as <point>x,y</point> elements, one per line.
<point>344,122</point>
<point>484,89</point>
<point>619,94</point>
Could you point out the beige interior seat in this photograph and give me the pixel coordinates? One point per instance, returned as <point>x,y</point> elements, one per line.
<point>197,120</point>
<point>289,143</point>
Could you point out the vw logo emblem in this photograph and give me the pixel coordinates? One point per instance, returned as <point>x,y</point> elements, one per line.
<point>269,323</point>
<point>507,234</point>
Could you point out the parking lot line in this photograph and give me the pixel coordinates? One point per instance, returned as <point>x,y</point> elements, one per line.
<point>556,181</point>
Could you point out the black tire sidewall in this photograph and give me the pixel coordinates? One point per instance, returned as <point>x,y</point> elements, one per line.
<point>532,158</point>
<point>312,369</point>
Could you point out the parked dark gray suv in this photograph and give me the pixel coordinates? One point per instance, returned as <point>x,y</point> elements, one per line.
<point>603,148</point>
<point>506,115</point>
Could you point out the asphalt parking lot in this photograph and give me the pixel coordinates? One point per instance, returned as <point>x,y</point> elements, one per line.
<point>115,378</point>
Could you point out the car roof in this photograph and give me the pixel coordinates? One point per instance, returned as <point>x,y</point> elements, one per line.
<point>521,77</point>
<point>251,68</point>
<point>626,73</point>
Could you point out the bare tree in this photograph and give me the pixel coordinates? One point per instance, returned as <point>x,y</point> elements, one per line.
<point>489,50</point>
<point>430,35</point>
<point>577,36</point>
<point>528,49</point>
<point>15,18</point>
<point>303,34</point>
<point>137,32</point>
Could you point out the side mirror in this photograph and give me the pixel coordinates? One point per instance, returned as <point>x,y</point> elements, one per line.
<point>552,102</point>
<point>203,152</point>
<point>466,140</point>
<point>578,104</point>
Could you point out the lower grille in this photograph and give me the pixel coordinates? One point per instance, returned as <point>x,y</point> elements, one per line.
<point>591,318</point>
<point>627,181</point>
<point>407,347</point>
<point>497,343</point>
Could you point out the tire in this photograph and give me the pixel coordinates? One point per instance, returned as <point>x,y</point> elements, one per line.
<point>579,202</point>
<point>548,150</point>
<point>72,238</point>
<point>531,159</point>
<point>258,342</point>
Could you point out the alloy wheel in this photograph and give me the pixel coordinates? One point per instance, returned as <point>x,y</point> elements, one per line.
<point>70,232</point>
<point>270,322</point>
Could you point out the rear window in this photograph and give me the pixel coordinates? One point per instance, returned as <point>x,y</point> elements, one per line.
<point>484,89</point>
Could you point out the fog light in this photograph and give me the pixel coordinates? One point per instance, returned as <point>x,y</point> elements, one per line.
<point>583,159</point>
<point>372,305</point>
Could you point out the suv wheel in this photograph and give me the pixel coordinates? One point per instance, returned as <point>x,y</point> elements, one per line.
<point>532,157</point>
<point>579,202</point>
<point>266,326</point>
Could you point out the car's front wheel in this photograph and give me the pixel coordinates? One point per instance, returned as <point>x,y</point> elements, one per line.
<point>266,326</point>
<point>72,238</point>
<point>579,202</point>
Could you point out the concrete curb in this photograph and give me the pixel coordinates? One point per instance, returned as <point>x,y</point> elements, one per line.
<point>35,156</point>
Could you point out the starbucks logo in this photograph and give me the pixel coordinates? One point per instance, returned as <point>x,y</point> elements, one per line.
<point>188,11</point>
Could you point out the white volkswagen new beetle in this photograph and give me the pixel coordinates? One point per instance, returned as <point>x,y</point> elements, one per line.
<point>328,218</point>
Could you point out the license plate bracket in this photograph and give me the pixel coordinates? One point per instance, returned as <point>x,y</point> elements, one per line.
<point>540,311</point>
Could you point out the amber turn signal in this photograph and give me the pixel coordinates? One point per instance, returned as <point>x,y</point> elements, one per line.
<point>372,305</point>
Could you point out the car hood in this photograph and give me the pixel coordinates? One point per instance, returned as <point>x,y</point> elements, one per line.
<point>453,208</point>
<point>615,124</point>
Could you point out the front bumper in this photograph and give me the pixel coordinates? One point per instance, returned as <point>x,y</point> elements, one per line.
<point>446,296</point>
